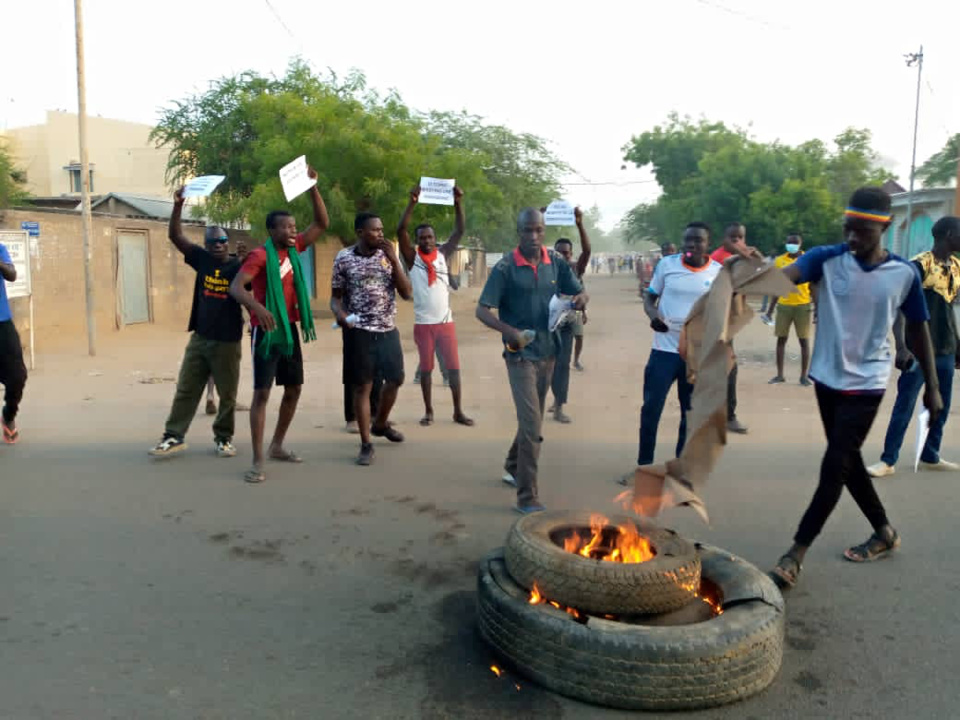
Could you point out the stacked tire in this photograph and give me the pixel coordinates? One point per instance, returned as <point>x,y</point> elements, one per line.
<point>624,664</point>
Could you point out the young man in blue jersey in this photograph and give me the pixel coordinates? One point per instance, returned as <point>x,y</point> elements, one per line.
<point>861,290</point>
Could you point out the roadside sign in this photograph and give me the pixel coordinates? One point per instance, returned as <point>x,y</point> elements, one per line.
<point>17,245</point>
<point>31,226</point>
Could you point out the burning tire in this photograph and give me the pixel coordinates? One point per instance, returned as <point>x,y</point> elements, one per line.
<point>535,555</point>
<point>726,658</point>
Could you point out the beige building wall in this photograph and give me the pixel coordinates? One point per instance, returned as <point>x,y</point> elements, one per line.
<point>120,153</point>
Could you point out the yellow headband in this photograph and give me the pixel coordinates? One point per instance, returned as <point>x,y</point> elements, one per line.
<point>866,215</point>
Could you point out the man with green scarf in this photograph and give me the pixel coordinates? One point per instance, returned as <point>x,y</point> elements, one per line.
<point>279,300</point>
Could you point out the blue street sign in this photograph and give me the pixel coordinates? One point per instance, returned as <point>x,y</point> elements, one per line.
<point>31,226</point>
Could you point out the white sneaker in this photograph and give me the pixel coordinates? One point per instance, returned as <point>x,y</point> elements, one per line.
<point>509,479</point>
<point>225,449</point>
<point>942,465</point>
<point>881,469</point>
<point>168,446</point>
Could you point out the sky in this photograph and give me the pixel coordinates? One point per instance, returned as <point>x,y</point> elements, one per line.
<point>585,76</point>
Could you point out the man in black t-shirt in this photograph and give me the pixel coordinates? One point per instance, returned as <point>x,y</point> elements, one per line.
<point>214,348</point>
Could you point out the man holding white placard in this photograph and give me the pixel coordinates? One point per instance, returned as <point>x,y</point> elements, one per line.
<point>13,371</point>
<point>434,330</point>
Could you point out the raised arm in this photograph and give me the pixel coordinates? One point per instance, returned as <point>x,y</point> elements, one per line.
<point>8,271</point>
<point>175,229</point>
<point>585,250</point>
<point>321,221</point>
<point>450,246</point>
<point>407,250</point>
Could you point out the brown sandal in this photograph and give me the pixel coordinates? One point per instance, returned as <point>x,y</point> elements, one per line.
<point>787,571</point>
<point>874,548</point>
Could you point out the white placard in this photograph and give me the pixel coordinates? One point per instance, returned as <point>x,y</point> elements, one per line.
<point>436,191</point>
<point>923,429</point>
<point>561,213</point>
<point>17,244</point>
<point>294,178</point>
<point>202,186</point>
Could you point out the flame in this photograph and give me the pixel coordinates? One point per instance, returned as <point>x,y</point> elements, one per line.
<point>629,545</point>
<point>535,597</point>
<point>496,671</point>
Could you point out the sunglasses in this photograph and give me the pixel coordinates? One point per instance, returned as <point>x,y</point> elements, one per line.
<point>217,241</point>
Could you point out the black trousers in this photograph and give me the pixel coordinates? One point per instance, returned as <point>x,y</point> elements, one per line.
<point>732,394</point>
<point>846,422</point>
<point>13,371</point>
<point>560,383</point>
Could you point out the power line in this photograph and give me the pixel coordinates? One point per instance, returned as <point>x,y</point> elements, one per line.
<point>740,13</point>
<point>611,182</point>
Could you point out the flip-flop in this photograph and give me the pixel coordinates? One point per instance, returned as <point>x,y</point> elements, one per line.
<point>783,576</point>
<point>10,437</point>
<point>254,476</point>
<point>286,456</point>
<point>463,420</point>
<point>426,420</point>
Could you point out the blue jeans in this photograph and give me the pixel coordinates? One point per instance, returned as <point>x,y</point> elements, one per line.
<point>908,389</point>
<point>663,369</point>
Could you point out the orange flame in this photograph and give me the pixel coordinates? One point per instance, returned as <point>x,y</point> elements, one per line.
<point>535,597</point>
<point>629,545</point>
<point>496,671</point>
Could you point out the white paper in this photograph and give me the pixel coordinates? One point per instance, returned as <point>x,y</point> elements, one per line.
<point>559,212</point>
<point>436,191</point>
<point>561,310</point>
<point>294,178</point>
<point>202,186</point>
<point>16,242</point>
<point>923,429</point>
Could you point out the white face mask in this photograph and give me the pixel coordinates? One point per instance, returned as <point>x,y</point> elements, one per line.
<point>792,248</point>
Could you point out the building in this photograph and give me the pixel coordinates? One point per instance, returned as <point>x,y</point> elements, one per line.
<point>122,157</point>
<point>929,205</point>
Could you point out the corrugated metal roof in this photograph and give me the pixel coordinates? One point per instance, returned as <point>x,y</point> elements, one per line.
<point>146,206</point>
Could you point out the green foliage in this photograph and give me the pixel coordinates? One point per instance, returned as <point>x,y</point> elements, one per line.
<point>717,175</point>
<point>941,168</point>
<point>368,150</point>
<point>12,179</point>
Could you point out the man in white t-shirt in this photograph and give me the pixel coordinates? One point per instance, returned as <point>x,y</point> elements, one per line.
<point>433,330</point>
<point>678,282</point>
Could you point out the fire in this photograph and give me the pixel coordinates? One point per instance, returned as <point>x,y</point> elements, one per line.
<point>535,597</point>
<point>496,671</point>
<point>629,545</point>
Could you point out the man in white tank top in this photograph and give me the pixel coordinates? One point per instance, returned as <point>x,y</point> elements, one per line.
<point>433,330</point>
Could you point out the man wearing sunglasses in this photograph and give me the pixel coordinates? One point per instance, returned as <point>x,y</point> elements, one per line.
<point>214,347</point>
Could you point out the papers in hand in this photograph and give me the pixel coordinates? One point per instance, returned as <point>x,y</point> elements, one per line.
<point>561,312</point>
<point>202,186</point>
<point>294,178</point>
<point>436,191</point>
<point>561,213</point>
<point>923,429</point>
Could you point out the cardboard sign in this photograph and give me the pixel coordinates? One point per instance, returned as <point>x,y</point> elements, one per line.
<point>17,245</point>
<point>294,178</point>
<point>561,213</point>
<point>202,186</point>
<point>436,191</point>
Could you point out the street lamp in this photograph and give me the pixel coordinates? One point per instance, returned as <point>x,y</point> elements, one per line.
<point>913,59</point>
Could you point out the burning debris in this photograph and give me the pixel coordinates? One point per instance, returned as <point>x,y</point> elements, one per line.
<point>623,543</point>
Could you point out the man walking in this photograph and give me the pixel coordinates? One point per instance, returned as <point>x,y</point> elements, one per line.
<point>278,302</point>
<point>13,371</point>
<point>734,243</point>
<point>520,287</point>
<point>571,333</point>
<point>434,331</point>
<point>795,309</point>
<point>678,282</point>
<point>940,279</point>
<point>365,284</point>
<point>214,347</point>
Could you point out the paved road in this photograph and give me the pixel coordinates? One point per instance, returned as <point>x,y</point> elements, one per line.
<point>139,589</point>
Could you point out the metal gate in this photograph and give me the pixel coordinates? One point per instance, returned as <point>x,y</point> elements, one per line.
<point>134,278</point>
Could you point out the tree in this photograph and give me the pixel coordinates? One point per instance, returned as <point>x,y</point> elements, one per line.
<point>941,168</point>
<point>368,149</point>
<point>12,179</point>
<point>711,173</point>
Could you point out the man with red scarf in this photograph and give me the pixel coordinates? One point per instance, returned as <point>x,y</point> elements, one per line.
<point>433,330</point>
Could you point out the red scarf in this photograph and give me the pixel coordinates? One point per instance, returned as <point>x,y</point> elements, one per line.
<point>428,260</point>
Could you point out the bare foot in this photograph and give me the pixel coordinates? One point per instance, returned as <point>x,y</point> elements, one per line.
<point>427,419</point>
<point>462,419</point>
<point>279,453</point>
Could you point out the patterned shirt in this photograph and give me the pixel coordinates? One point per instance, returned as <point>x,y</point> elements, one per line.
<point>941,284</point>
<point>369,291</point>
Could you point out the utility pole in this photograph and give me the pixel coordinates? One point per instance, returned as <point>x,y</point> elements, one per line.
<point>87,220</point>
<point>912,58</point>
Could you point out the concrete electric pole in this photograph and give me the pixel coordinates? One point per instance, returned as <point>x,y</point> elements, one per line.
<point>913,58</point>
<point>87,220</point>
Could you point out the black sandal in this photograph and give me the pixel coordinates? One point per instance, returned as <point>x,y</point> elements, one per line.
<point>874,548</point>
<point>787,571</point>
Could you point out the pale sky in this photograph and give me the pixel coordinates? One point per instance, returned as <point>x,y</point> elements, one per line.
<point>586,76</point>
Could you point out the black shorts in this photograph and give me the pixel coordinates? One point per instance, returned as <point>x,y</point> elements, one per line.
<point>286,371</point>
<point>372,354</point>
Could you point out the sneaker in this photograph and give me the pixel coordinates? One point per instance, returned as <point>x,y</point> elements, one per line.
<point>561,417</point>
<point>416,378</point>
<point>168,446</point>
<point>446,381</point>
<point>534,507</point>
<point>941,465</point>
<point>365,457</point>
<point>578,366</point>
<point>352,428</point>
<point>211,407</point>
<point>805,381</point>
<point>225,449</point>
<point>766,320</point>
<point>777,379</point>
<point>509,479</point>
<point>881,469</point>
<point>735,426</point>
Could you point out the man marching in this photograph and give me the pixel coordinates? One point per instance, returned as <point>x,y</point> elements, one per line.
<point>434,330</point>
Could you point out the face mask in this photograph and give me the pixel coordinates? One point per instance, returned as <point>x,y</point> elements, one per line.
<point>792,248</point>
